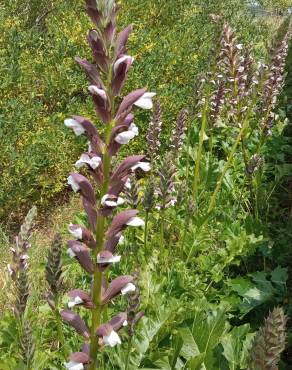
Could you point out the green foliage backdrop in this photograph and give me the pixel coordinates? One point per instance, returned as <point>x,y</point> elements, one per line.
<point>40,84</point>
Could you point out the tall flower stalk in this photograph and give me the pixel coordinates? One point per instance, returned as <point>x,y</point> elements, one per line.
<point>96,246</point>
<point>18,272</point>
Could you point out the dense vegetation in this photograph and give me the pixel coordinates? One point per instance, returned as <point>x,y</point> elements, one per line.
<point>212,260</point>
<point>41,84</point>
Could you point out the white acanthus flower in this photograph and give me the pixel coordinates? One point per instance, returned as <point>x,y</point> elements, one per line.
<point>121,60</point>
<point>93,162</point>
<point>73,183</point>
<point>126,136</point>
<point>94,90</point>
<point>128,288</point>
<point>144,166</point>
<point>77,233</point>
<point>112,339</point>
<point>72,365</point>
<point>71,254</point>
<point>145,102</point>
<point>111,203</point>
<point>135,221</point>
<point>113,259</point>
<point>75,125</point>
<point>74,301</point>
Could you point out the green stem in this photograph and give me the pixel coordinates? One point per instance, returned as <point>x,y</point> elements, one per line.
<point>60,333</point>
<point>146,231</point>
<point>162,228</point>
<point>98,308</point>
<point>199,152</point>
<point>227,164</point>
<point>128,353</point>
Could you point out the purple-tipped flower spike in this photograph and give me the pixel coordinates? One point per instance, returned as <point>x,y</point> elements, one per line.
<point>120,285</point>
<point>154,131</point>
<point>76,322</point>
<point>178,134</point>
<point>106,76</point>
<point>81,253</point>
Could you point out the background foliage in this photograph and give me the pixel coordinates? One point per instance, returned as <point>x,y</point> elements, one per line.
<point>41,85</point>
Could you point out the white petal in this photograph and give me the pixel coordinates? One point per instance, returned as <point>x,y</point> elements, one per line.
<point>144,166</point>
<point>112,340</point>
<point>134,128</point>
<point>95,162</point>
<point>71,253</point>
<point>121,240</point>
<point>74,301</point>
<point>125,323</point>
<point>125,137</point>
<point>77,233</point>
<point>94,90</point>
<point>121,60</point>
<point>129,288</point>
<point>74,185</point>
<point>135,221</point>
<point>10,270</point>
<point>120,201</point>
<point>72,365</point>
<point>128,184</point>
<point>145,102</point>
<point>113,259</point>
<point>77,128</point>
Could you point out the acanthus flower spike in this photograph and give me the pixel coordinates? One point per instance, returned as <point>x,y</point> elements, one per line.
<point>106,76</point>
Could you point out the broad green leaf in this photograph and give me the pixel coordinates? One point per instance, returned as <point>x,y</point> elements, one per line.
<point>189,348</point>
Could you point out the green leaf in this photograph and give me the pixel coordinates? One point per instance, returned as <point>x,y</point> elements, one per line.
<point>196,363</point>
<point>190,348</point>
<point>233,344</point>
